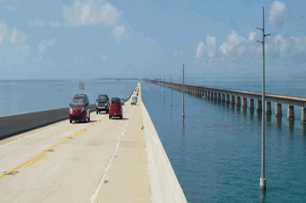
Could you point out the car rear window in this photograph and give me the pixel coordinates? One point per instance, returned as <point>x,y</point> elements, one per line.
<point>102,98</point>
<point>78,101</point>
<point>115,101</point>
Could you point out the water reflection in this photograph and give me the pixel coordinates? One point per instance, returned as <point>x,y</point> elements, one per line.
<point>278,121</point>
<point>303,129</point>
<point>259,116</point>
<point>262,196</point>
<point>244,112</point>
<point>290,128</point>
<point>268,121</point>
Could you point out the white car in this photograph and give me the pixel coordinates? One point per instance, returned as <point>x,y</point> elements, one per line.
<point>134,100</point>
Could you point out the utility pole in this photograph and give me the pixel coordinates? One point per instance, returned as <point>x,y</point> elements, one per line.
<point>262,178</point>
<point>171,91</point>
<point>183,94</point>
<point>164,87</point>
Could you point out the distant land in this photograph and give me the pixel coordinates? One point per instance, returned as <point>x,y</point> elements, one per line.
<point>117,79</point>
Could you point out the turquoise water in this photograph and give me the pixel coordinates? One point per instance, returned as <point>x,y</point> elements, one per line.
<point>215,150</point>
<point>22,96</point>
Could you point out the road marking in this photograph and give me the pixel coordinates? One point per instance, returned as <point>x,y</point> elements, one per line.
<point>36,160</point>
<point>94,196</point>
<point>30,135</point>
<point>74,134</point>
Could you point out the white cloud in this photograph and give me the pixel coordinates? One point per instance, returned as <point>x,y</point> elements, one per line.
<point>12,8</point>
<point>103,57</point>
<point>252,36</point>
<point>233,40</point>
<point>119,32</point>
<point>14,48</point>
<point>44,44</point>
<point>37,22</point>
<point>90,12</point>
<point>54,23</point>
<point>200,50</point>
<point>211,46</point>
<point>238,54</point>
<point>278,13</point>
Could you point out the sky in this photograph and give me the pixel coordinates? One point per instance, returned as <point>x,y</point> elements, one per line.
<point>73,39</point>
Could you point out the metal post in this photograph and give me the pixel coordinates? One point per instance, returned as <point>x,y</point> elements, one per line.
<point>171,91</point>
<point>164,88</point>
<point>183,94</point>
<point>262,178</point>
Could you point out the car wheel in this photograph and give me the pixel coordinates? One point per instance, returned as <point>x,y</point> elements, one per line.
<point>109,117</point>
<point>70,121</point>
<point>121,117</point>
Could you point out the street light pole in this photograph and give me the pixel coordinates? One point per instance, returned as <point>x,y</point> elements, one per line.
<point>183,94</point>
<point>262,178</point>
<point>171,91</point>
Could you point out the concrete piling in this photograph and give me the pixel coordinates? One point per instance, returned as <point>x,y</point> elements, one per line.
<point>232,99</point>
<point>238,101</point>
<point>290,113</point>
<point>215,95</point>
<point>222,97</point>
<point>303,116</point>
<point>258,106</point>
<point>218,96</point>
<point>244,102</point>
<point>227,98</point>
<point>268,108</point>
<point>278,110</point>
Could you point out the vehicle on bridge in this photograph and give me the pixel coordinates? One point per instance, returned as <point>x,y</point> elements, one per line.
<point>122,101</point>
<point>79,108</point>
<point>102,103</point>
<point>134,100</point>
<point>115,108</point>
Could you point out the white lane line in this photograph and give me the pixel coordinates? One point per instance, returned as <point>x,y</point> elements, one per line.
<point>94,196</point>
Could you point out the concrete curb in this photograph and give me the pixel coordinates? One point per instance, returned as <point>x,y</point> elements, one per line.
<point>163,181</point>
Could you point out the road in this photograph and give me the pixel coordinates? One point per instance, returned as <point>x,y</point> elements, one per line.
<point>98,161</point>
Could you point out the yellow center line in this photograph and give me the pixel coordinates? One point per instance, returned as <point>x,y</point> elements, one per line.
<point>36,160</point>
<point>76,133</point>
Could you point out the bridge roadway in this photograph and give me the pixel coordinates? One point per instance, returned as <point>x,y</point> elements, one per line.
<point>98,161</point>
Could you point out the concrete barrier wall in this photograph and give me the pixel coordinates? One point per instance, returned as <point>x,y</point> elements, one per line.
<point>163,181</point>
<point>14,124</point>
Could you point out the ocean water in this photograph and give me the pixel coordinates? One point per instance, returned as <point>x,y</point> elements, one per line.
<point>22,96</point>
<point>215,150</point>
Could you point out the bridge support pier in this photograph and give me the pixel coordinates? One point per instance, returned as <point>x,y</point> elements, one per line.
<point>232,99</point>
<point>251,104</point>
<point>258,106</point>
<point>215,95</point>
<point>290,113</point>
<point>268,108</point>
<point>222,97</point>
<point>227,98</point>
<point>211,94</point>
<point>303,116</point>
<point>244,102</point>
<point>218,96</point>
<point>278,110</point>
<point>238,101</point>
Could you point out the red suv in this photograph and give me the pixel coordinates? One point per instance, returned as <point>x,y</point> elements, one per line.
<point>115,108</point>
<point>79,108</point>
